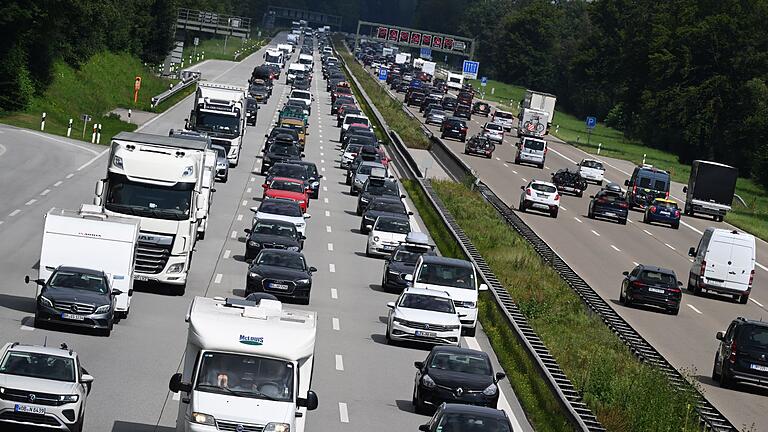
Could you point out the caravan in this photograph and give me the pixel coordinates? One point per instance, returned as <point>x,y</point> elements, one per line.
<point>455,81</point>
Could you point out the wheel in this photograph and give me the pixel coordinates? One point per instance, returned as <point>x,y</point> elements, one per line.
<point>697,289</point>
<point>553,213</point>
<point>521,206</point>
<point>517,161</point>
<point>201,235</point>
<point>676,225</point>
<point>580,194</point>
<point>470,332</point>
<point>226,177</point>
<point>304,301</point>
<point>675,311</point>
<point>743,299</point>
<point>78,427</point>
<point>181,289</point>
<point>108,331</point>
<point>622,298</point>
<point>725,382</point>
<point>352,191</point>
<point>347,181</point>
<point>715,218</point>
<point>691,213</point>
<point>590,214</point>
<point>418,405</point>
<point>715,375</point>
<point>442,135</point>
<point>38,323</point>
<point>464,139</point>
<point>600,183</point>
<point>623,221</point>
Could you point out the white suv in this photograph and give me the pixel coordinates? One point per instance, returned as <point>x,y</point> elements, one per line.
<point>42,386</point>
<point>494,132</point>
<point>540,195</point>
<point>592,170</point>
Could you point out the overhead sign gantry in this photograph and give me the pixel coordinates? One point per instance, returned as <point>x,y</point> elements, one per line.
<point>414,38</point>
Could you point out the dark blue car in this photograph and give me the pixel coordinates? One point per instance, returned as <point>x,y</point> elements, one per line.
<point>663,211</point>
<point>609,203</point>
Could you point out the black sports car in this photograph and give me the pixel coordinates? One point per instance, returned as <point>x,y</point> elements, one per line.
<point>282,273</point>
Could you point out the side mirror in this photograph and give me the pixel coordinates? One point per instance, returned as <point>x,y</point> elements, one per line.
<point>26,279</point>
<point>320,176</point>
<point>247,230</point>
<point>424,428</point>
<point>418,365</point>
<point>483,287</point>
<point>200,214</point>
<point>720,336</point>
<point>86,379</point>
<point>692,252</point>
<point>369,227</point>
<point>626,273</point>
<point>522,187</point>
<point>312,269</point>
<point>99,188</point>
<point>408,277</point>
<point>302,237</point>
<point>116,292</point>
<point>255,209</point>
<point>302,155</point>
<point>679,283</point>
<point>410,213</point>
<point>685,189</point>
<point>266,135</point>
<point>592,196</point>
<point>310,402</point>
<point>176,384</point>
<point>391,305</point>
<point>307,215</point>
<point>500,376</point>
<point>263,150</point>
<point>402,195</point>
<point>626,182</point>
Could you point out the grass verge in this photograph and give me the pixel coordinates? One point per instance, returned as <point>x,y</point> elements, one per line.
<point>540,405</point>
<point>232,49</point>
<point>408,128</point>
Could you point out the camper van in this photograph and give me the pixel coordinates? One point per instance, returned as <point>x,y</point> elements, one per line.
<point>455,81</point>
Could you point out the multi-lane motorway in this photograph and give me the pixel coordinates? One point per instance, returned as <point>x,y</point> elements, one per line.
<point>360,380</point>
<point>600,250</point>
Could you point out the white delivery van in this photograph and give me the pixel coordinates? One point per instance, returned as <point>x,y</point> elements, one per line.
<point>308,61</point>
<point>91,239</point>
<point>247,366</point>
<point>456,277</point>
<point>531,150</point>
<point>723,262</point>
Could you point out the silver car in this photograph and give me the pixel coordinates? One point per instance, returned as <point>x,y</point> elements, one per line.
<point>362,174</point>
<point>222,164</point>
<point>494,132</point>
<point>436,117</point>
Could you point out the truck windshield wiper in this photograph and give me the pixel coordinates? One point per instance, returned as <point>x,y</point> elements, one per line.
<point>211,386</point>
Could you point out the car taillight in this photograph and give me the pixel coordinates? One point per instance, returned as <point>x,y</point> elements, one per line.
<point>623,205</point>
<point>634,189</point>
<point>703,268</point>
<point>528,192</point>
<point>667,195</point>
<point>637,284</point>
<point>653,209</point>
<point>677,213</point>
<point>675,290</point>
<point>732,357</point>
<point>464,129</point>
<point>557,197</point>
<point>751,278</point>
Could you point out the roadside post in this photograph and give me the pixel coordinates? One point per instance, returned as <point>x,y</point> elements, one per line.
<point>136,87</point>
<point>69,128</point>
<point>42,122</point>
<point>98,134</point>
<point>85,118</point>
<point>591,123</point>
<point>93,134</point>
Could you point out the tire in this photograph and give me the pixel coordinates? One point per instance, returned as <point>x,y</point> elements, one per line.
<point>725,382</point>
<point>622,298</point>
<point>352,191</point>
<point>688,286</point>
<point>304,301</point>
<point>367,251</point>
<point>590,214</point>
<point>645,218</point>
<point>226,177</point>
<point>470,332</point>
<point>715,375</point>
<point>517,161</point>
<point>696,289</point>
<point>78,427</point>
<point>418,405</point>
<point>623,221</point>
<point>180,289</point>
<point>521,206</point>
<point>108,331</point>
<point>553,214</point>
<point>38,323</point>
<point>675,311</point>
<point>201,235</point>
<point>600,183</point>
<point>676,226</point>
<point>743,299</point>
<point>580,194</point>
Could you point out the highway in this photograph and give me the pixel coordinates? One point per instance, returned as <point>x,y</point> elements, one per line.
<point>600,250</point>
<point>360,381</point>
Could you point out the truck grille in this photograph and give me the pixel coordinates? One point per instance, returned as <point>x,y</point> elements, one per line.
<point>232,426</point>
<point>152,252</point>
<point>74,307</point>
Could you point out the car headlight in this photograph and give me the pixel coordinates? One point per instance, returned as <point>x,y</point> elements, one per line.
<point>375,239</point>
<point>399,320</point>
<point>253,243</point>
<point>203,419</point>
<point>254,275</point>
<point>427,381</point>
<point>303,281</point>
<point>277,427</point>
<point>117,161</point>
<point>44,300</point>
<point>364,199</point>
<point>293,248</point>
<point>490,390</point>
<point>102,309</point>
<point>358,181</point>
<point>467,304</point>
<point>70,398</point>
<point>176,268</point>
<point>452,327</point>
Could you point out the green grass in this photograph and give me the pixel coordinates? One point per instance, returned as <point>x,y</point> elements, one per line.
<point>539,402</point>
<point>503,94</point>
<point>100,85</point>
<point>233,49</point>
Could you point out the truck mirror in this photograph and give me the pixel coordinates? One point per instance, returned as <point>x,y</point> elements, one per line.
<point>391,305</point>
<point>247,230</point>
<point>26,279</point>
<point>176,384</point>
<point>626,182</point>
<point>310,402</point>
<point>116,292</point>
<point>99,188</point>
<point>97,201</point>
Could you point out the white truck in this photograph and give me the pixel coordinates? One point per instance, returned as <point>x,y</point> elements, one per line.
<point>403,58</point>
<point>308,61</point>
<point>542,102</point>
<point>158,180</point>
<point>219,111</point>
<point>287,49</point>
<point>533,123</point>
<point>247,366</point>
<point>92,239</point>
<point>293,38</point>
<point>274,57</point>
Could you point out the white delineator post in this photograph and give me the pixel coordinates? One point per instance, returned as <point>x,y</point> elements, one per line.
<point>42,122</point>
<point>69,128</point>
<point>98,134</point>
<point>93,134</point>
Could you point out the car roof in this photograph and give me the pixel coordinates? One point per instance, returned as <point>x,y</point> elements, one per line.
<point>387,198</point>
<point>543,182</point>
<point>281,252</point>
<point>449,261</point>
<point>81,270</point>
<point>475,409</point>
<point>56,351</point>
<point>427,292</point>
<point>657,269</point>
<point>458,350</point>
<point>394,216</point>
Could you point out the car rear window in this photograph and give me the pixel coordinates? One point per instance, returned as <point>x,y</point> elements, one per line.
<point>664,204</point>
<point>533,145</point>
<point>754,335</point>
<point>504,115</point>
<point>658,278</point>
<point>592,164</point>
<point>493,126</point>
<point>540,187</point>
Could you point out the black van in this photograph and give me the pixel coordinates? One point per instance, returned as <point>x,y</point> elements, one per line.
<point>646,184</point>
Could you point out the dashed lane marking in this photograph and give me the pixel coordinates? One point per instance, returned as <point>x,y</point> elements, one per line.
<point>239,217</point>
<point>694,308</point>
<point>756,302</point>
<point>45,192</point>
<point>327,213</point>
<point>14,213</point>
<point>339,362</point>
<point>58,183</point>
<point>335,323</point>
<point>227,253</point>
<point>334,293</point>
<point>670,246</point>
<point>331,268</point>
<point>217,279</point>
<point>615,248</point>
<point>234,234</point>
<point>595,233</point>
<point>578,220</point>
<point>330,247</point>
<point>30,202</point>
<point>343,414</point>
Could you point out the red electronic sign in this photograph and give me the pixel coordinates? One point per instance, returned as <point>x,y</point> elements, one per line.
<point>415,38</point>
<point>382,33</point>
<point>393,33</point>
<point>405,36</point>
<point>426,39</point>
<point>448,43</point>
<point>437,42</point>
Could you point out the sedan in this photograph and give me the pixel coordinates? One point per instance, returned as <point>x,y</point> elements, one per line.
<point>459,375</point>
<point>454,128</point>
<point>272,234</point>
<point>423,315</point>
<point>284,274</point>
<point>436,117</point>
<point>652,285</point>
<point>386,233</point>
<point>402,262</point>
<point>663,211</point>
<point>357,179</point>
<point>382,206</point>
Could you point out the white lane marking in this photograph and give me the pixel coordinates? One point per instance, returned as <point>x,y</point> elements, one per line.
<point>546,167</point>
<point>27,328</point>
<point>327,228</point>
<point>325,200</point>
<point>327,213</point>
<point>595,233</point>
<point>343,414</point>
<point>176,396</point>
<point>697,231</point>
<point>248,190</point>
<point>45,192</point>
<point>234,234</point>
<point>217,279</point>
<point>239,217</point>
<point>245,203</point>
<point>69,176</point>
<point>615,248</point>
<point>647,232</point>
<point>506,165</point>
<point>562,155</point>
<point>563,208</point>
<point>330,247</point>
<point>756,302</point>
<point>92,160</point>
<point>635,263</point>
<point>331,268</point>
<point>498,159</point>
<point>322,161</point>
<point>321,147</point>
<point>58,183</point>
<point>578,220</point>
<point>325,189</point>
<point>322,154</point>
<point>14,213</point>
<point>339,362</point>
<point>629,220</point>
<point>335,323</point>
<point>253,179</point>
<point>694,309</point>
<point>30,202</point>
<point>322,169</point>
<point>670,246</point>
<point>2,222</point>
<point>226,253</point>
<point>334,293</point>
<point>761,266</point>
<point>525,179</point>
<point>514,172</point>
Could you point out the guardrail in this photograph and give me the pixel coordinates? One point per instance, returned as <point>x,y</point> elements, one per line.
<point>188,78</point>
<point>568,397</point>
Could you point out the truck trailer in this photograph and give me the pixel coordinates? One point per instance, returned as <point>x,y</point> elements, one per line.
<point>710,190</point>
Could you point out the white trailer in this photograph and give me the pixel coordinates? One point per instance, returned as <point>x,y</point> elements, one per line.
<point>247,366</point>
<point>92,239</point>
<point>533,122</point>
<point>285,48</point>
<point>455,81</point>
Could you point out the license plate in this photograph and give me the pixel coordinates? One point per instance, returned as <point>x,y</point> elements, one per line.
<point>385,247</point>
<point>29,409</point>
<point>610,214</point>
<point>140,278</point>
<point>758,367</point>
<point>656,290</point>
<point>664,213</point>
<point>74,317</point>
<point>425,334</point>
<point>278,286</point>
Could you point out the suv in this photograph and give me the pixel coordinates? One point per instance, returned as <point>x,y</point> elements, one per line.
<point>454,128</point>
<point>540,195</point>
<point>609,203</point>
<point>464,111</point>
<point>646,184</point>
<point>653,286</point>
<point>479,145</point>
<point>42,386</point>
<point>743,354</point>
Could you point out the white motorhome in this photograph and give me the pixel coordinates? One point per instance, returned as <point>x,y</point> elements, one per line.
<point>455,81</point>
<point>158,180</point>
<point>285,48</point>
<point>533,122</point>
<point>274,57</point>
<point>92,239</point>
<point>219,111</point>
<point>542,102</point>
<point>247,366</point>
<point>723,262</point>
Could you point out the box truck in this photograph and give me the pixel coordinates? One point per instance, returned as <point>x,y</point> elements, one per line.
<point>710,189</point>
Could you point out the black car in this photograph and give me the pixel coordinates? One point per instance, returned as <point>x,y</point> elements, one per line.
<point>288,170</point>
<point>609,203</point>
<point>260,92</point>
<point>742,355</point>
<point>481,108</point>
<point>376,187</point>
<point>646,184</point>
<point>402,262</point>
<point>653,286</point>
<point>359,131</point>
<point>431,107</point>
<point>251,111</point>
<point>449,103</point>
<point>480,145</point>
<point>461,418</point>
<point>76,296</point>
<point>272,135</point>
<point>454,128</point>
<point>382,206</point>
<point>283,149</point>
<point>272,234</point>
<point>314,177</point>
<point>454,374</point>
<point>300,84</point>
<point>569,181</point>
<point>463,111</point>
<point>282,273</point>
<point>428,101</point>
<point>416,97</point>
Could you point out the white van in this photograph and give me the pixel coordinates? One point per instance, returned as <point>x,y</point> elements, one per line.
<point>723,262</point>
<point>307,60</point>
<point>293,70</point>
<point>531,150</point>
<point>456,277</point>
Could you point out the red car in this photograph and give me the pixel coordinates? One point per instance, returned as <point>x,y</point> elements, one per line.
<point>288,188</point>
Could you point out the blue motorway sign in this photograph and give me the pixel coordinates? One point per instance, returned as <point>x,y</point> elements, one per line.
<point>470,68</point>
<point>591,122</point>
<point>484,81</point>
<point>426,53</point>
<point>383,73</point>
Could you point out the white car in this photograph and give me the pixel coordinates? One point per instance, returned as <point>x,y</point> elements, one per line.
<point>42,386</point>
<point>423,315</point>
<point>504,118</point>
<point>540,195</point>
<point>494,132</point>
<point>281,209</point>
<point>385,234</point>
<point>592,170</point>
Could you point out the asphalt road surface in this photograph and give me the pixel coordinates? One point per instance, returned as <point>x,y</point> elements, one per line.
<point>599,250</point>
<point>361,381</point>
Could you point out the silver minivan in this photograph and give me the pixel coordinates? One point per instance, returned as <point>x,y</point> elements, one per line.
<point>723,262</point>
<point>532,151</point>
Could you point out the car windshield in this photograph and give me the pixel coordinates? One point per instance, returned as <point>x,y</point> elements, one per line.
<point>392,225</point>
<point>290,209</point>
<point>447,275</point>
<point>284,149</point>
<point>356,119</point>
<point>592,164</point>
<point>428,303</point>
<point>658,182</point>
<point>366,169</point>
<point>658,278</point>
<point>311,170</point>
<point>293,125</point>
<point>301,95</point>
<point>221,153</point>
<point>267,228</point>
<point>279,259</point>
<point>610,196</point>
<point>353,148</point>
<point>541,187</point>
<point>270,58</point>
<point>80,281</point>
<point>217,122</point>
<point>286,185</point>
<point>535,145</point>
<point>38,365</point>
<point>246,376</point>
<point>466,422</point>
<point>437,113</point>
<point>474,364</point>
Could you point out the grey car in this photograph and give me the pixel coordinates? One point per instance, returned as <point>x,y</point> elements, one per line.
<point>361,175</point>
<point>222,164</point>
<point>436,117</point>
